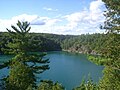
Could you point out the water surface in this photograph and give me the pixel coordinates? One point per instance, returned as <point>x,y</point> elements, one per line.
<point>70,68</point>
<point>67,68</point>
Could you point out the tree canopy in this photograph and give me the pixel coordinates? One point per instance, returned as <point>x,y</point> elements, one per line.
<point>24,65</point>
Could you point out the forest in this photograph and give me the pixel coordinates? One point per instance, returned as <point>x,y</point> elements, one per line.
<point>41,42</point>
<point>103,49</point>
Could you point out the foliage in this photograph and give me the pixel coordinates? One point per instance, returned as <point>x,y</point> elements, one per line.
<point>24,65</point>
<point>89,85</point>
<point>42,43</point>
<point>4,39</point>
<point>49,85</point>
<point>111,77</point>
<point>112,14</point>
<point>89,43</point>
<point>20,77</point>
<point>105,47</point>
<point>109,54</point>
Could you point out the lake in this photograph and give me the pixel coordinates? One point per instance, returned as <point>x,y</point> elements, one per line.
<point>67,68</point>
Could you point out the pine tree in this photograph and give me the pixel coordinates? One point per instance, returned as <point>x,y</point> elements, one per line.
<point>111,77</point>
<point>110,54</point>
<point>24,65</point>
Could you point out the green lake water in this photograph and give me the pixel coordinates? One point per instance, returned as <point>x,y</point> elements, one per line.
<point>67,68</point>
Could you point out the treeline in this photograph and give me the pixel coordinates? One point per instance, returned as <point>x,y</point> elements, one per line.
<point>48,42</point>
<point>38,41</point>
<point>89,43</point>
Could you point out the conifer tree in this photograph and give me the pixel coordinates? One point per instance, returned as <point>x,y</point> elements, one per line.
<point>111,77</point>
<point>24,65</point>
<point>110,54</point>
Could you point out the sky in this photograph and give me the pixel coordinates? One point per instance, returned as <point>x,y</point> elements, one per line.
<point>73,17</point>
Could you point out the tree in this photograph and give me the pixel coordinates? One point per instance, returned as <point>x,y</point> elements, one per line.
<point>112,14</point>
<point>24,65</point>
<point>89,85</point>
<point>110,54</point>
<point>111,77</point>
<point>49,85</point>
<point>4,39</point>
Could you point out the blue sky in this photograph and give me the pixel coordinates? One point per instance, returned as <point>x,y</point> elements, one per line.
<point>54,16</point>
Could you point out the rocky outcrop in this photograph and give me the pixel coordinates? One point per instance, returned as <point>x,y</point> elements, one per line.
<point>82,49</point>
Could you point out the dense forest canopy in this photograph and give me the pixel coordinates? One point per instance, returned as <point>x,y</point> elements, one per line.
<point>89,43</point>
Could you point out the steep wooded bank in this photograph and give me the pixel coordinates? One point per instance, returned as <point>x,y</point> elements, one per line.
<point>89,43</point>
<point>38,41</point>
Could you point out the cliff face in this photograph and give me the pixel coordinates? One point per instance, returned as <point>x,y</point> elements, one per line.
<point>82,49</point>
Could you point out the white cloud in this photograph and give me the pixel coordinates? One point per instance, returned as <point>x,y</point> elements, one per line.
<point>86,21</point>
<point>76,18</point>
<point>49,9</point>
<point>34,20</point>
<point>95,6</point>
<point>52,22</point>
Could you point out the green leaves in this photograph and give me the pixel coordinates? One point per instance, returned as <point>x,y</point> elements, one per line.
<point>50,85</point>
<point>23,26</point>
<point>111,52</point>
<point>23,66</point>
<point>5,64</point>
<point>19,37</point>
<point>89,85</point>
<point>112,23</point>
<point>20,76</point>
